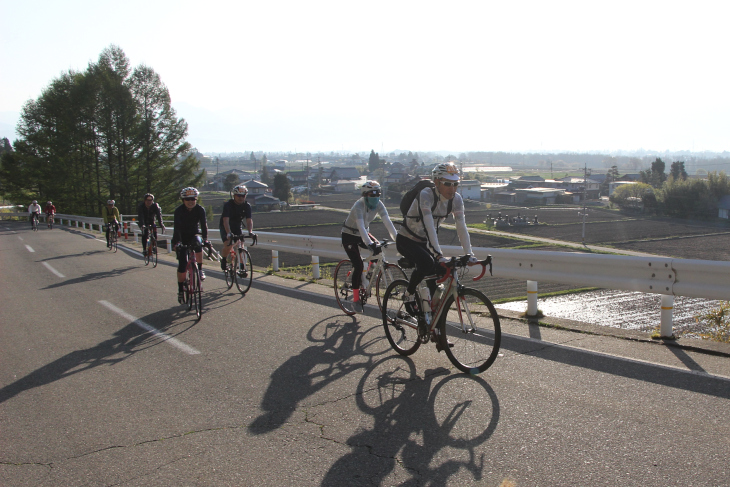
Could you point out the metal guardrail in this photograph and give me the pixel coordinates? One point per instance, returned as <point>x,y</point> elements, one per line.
<point>667,277</point>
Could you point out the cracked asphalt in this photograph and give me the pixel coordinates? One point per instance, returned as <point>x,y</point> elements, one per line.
<point>280,388</point>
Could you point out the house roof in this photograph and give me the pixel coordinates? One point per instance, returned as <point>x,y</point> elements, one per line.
<point>251,183</point>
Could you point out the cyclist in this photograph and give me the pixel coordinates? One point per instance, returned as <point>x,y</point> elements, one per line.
<point>34,211</point>
<point>235,211</point>
<point>147,211</point>
<point>110,214</point>
<point>356,231</point>
<point>418,235</point>
<point>50,211</point>
<point>189,220</point>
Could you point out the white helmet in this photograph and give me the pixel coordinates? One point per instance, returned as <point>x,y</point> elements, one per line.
<point>371,188</point>
<point>110,202</point>
<point>189,192</point>
<point>35,202</point>
<point>446,170</point>
<point>240,189</point>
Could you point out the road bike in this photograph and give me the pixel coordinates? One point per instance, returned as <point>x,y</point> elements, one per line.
<point>150,253</point>
<point>35,222</point>
<point>193,284</point>
<point>378,266</point>
<point>461,321</point>
<point>113,230</point>
<point>238,263</point>
<point>49,220</point>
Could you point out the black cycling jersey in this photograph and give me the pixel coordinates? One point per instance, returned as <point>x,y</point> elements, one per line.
<point>237,215</point>
<point>147,216</point>
<point>188,223</point>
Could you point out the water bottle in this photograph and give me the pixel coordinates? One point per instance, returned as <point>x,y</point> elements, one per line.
<point>370,272</point>
<point>437,296</point>
<point>365,280</point>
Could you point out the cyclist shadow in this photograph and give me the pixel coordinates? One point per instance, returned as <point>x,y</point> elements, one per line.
<point>425,429</point>
<point>124,343</point>
<point>94,276</point>
<point>80,254</point>
<point>339,350</point>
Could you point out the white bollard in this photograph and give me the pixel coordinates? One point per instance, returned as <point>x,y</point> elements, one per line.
<point>531,298</point>
<point>667,311</point>
<point>315,266</point>
<point>275,260</point>
<point>169,245</point>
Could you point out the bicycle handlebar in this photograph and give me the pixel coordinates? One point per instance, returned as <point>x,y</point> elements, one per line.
<point>463,261</point>
<point>254,238</point>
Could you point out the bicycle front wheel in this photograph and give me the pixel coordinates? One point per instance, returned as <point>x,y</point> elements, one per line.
<point>471,325</point>
<point>343,287</point>
<point>153,257</point>
<point>115,245</point>
<point>230,272</point>
<point>147,252</point>
<point>244,271</point>
<point>197,294</point>
<point>387,274</point>
<point>401,328</point>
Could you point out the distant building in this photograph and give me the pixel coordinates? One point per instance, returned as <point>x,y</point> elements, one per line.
<point>615,184</point>
<point>724,207</point>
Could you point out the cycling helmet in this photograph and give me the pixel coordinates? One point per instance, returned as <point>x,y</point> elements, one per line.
<point>240,189</point>
<point>371,188</point>
<point>35,202</point>
<point>49,203</point>
<point>447,171</point>
<point>110,202</point>
<point>189,192</point>
<point>148,195</point>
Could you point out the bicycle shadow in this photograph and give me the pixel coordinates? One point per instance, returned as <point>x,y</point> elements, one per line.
<point>69,256</point>
<point>425,429</point>
<point>335,354</point>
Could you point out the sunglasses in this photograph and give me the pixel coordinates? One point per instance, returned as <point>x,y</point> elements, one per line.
<point>239,195</point>
<point>190,199</point>
<point>149,200</point>
<point>449,184</point>
<point>373,193</point>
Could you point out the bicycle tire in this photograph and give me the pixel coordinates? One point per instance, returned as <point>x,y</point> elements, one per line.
<point>243,283</point>
<point>115,244</point>
<point>153,257</point>
<point>401,328</point>
<point>343,287</point>
<point>35,224</point>
<point>188,287</point>
<point>387,274</point>
<point>197,294</point>
<point>147,251</point>
<point>474,331</point>
<point>230,272</point>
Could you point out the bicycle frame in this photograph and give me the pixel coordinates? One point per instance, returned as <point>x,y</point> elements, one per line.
<point>452,287</point>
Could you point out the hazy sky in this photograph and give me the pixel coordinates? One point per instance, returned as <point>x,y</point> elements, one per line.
<point>399,75</point>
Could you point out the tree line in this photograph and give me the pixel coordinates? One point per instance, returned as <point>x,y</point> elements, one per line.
<point>108,132</point>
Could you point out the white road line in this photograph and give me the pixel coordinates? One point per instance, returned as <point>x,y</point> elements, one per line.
<point>30,249</point>
<point>165,337</point>
<point>48,266</point>
<point>21,238</point>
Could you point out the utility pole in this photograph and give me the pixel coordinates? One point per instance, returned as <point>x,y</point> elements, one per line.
<point>585,195</point>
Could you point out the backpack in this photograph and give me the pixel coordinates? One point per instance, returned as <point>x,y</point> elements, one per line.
<point>412,194</point>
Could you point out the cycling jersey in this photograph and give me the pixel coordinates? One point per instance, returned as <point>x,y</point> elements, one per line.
<point>188,223</point>
<point>147,216</point>
<point>34,209</point>
<point>237,216</point>
<point>360,217</point>
<point>50,209</point>
<point>110,215</point>
<point>422,226</point>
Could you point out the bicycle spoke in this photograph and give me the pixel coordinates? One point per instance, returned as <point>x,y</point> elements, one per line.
<point>343,287</point>
<point>401,329</point>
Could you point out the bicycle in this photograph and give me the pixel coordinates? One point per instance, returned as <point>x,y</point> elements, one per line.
<point>150,254</point>
<point>49,220</point>
<point>112,229</point>
<point>463,314</point>
<point>193,284</point>
<point>238,263</point>
<point>35,222</point>
<point>385,271</point>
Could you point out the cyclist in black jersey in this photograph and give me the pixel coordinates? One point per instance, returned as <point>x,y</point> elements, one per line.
<point>189,220</point>
<point>235,211</point>
<point>147,212</point>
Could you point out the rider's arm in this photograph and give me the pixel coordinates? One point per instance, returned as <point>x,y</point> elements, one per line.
<point>426,201</point>
<point>383,212</point>
<point>249,225</point>
<point>360,221</point>
<point>203,224</point>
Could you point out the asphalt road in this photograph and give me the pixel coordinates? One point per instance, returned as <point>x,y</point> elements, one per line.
<point>105,380</point>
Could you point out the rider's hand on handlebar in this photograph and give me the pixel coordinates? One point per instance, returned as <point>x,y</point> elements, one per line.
<point>374,248</point>
<point>442,259</point>
<point>473,260</point>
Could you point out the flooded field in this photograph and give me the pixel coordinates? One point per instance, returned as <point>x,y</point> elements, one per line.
<point>620,309</point>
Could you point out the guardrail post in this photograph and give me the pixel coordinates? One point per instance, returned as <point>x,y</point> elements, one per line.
<point>531,298</point>
<point>275,260</point>
<point>169,245</point>
<point>665,329</point>
<point>315,266</point>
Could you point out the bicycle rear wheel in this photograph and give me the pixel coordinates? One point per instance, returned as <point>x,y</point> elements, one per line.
<point>231,262</point>
<point>343,287</point>
<point>387,274</point>
<point>244,276</point>
<point>472,326</point>
<point>401,328</point>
